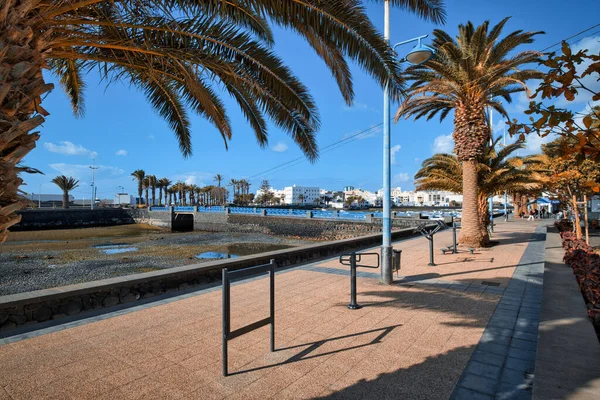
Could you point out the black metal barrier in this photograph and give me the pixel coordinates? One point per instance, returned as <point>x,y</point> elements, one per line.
<point>227,333</point>
<point>352,259</point>
<point>429,235</point>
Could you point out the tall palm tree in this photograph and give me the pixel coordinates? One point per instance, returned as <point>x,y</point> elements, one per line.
<point>139,174</point>
<point>468,74</point>
<point>164,184</point>
<point>497,172</point>
<point>218,178</point>
<point>198,191</point>
<point>152,181</point>
<point>175,52</point>
<point>66,184</point>
<point>146,185</point>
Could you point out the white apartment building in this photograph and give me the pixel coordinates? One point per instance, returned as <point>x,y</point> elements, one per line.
<point>370,197</point>
<point>310,195</point>
<point>427,198</point>
<point>276,192</point>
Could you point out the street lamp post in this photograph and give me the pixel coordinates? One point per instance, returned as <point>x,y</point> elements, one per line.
<point>418,55</point>
<point>93,168</point>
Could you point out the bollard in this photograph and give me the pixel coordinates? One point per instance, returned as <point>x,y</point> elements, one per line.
<point>396,261</point>
<point>454,250</point>
<point>353,305</point>
<point>431,263</point>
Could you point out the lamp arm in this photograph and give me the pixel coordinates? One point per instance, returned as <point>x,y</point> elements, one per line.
<point>418,38</point>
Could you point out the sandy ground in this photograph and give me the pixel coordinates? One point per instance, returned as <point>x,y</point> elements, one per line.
<point>42,259</point>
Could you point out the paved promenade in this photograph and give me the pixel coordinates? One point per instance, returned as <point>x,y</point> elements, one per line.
<point>417,339</point>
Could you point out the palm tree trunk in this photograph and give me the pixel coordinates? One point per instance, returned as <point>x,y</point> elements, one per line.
<point>470,234</point>
<point>484,216</point>
<point>146,197</point>
<point>65,199</point>
<point>140,191</point>
<point>160,196</point>
<point>21,88</point>
<point>153,195</point>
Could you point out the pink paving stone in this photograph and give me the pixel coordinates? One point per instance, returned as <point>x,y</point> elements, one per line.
<point>410,342</point>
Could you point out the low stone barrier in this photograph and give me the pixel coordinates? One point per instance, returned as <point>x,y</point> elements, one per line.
<point>33,220</point>
<point>55,303</point>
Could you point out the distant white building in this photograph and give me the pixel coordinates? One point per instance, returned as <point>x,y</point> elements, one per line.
<point>276,193</point>
<point>124,199</point>
<point>427,198</point>
<point>301,195</point>
<point>368,196</point>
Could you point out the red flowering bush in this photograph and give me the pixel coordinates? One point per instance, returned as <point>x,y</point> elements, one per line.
<point>586,267</point>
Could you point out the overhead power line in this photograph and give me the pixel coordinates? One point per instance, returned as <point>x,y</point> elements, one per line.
<point>352,138</point>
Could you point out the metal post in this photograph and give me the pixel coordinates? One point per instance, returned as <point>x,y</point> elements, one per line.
<point>431,263</point>
<point>505,206</point>
<point>93,168</point>
<point>225,281</point>
<point>454,251</point>
<point>272,302</point>
<point>585,215</point>
<point>386,246</point>
<point>353,305</point>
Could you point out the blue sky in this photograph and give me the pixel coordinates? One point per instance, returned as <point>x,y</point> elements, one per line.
<point>123,133</point>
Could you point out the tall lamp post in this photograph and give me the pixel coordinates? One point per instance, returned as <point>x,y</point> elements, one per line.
<point>418,55</point>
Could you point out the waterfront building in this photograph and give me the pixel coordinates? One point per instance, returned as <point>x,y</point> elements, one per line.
<point>310,194</point>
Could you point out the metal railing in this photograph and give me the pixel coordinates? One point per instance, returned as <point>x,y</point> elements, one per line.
<point>159,208</point>
<point>227,333</point>
<point>428,234</point>
<point>352,260</point>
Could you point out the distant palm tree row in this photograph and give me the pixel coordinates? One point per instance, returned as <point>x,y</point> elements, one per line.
<point>183,194</point>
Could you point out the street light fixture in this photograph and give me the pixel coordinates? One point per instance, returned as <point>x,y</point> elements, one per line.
<point>418,55</point>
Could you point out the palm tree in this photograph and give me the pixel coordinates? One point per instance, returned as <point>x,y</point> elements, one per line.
<point>152,181</point>
<point>468,74</point>
<point>139,174</point>
<point>235,184</point>
<point>301,198</point>
<point>496,172</point>
<point>175,52</point>
<point>66,184</point>
<point>162,185</point>
<point>146,185</point>
<point>218,178</point>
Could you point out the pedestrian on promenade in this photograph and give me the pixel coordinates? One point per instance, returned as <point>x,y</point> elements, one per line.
<point>531,216</point>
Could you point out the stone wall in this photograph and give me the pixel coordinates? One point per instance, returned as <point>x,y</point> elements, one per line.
<point>71,218</point>
<point>310,228</point>
<point>143,216</point>
<point>43,305</point>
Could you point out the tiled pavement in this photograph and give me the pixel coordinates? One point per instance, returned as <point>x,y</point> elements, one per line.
<point>411,340</point>
<point>503,363</point>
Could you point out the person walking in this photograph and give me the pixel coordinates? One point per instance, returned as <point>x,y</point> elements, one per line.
<point>531,216</point>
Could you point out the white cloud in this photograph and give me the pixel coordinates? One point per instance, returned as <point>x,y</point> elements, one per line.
<point>80,171</point>
<point>400,178</point>
<point>69,149</point>
<point>150,137</point>
<point>393,152</point>
<point>280,147</point>
<point>199,178</point>
<point>443,144</point>
<point>121,153</point>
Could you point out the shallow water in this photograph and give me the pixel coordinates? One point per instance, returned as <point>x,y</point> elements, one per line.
<point>115,248</point>
<point>215,255</point>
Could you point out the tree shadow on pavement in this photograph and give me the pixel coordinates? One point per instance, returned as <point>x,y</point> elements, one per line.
<point>433,378</point>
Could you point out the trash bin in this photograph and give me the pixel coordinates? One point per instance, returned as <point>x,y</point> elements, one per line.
<point>396,260</point>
